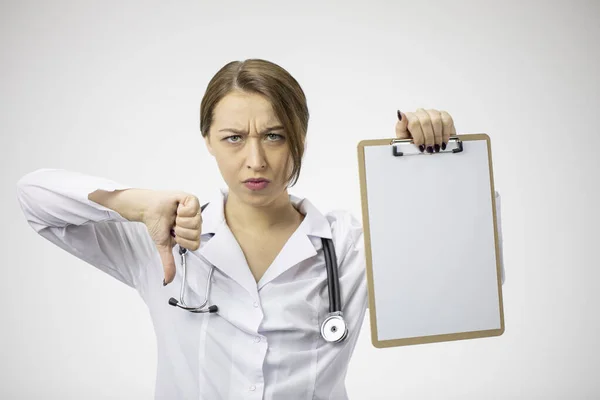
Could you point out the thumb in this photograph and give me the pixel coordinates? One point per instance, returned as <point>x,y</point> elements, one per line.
<point>402,127</point>
<point>168,262</point>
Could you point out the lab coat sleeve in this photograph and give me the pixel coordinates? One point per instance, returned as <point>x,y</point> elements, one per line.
<point>499,223</point>
<point>56,205</point>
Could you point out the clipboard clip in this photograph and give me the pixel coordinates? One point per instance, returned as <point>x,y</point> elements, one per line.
<point>454,140</point>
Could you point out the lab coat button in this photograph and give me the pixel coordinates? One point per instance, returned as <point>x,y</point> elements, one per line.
<point>255,305</point>
<point>252,387</point>
<point>257,339</point>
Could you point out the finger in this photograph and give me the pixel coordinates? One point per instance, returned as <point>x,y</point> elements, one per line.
<point>194,222</point>
<point>402,127</point>
<point>448,124</point>
<point>425,123</point>
<point>436,123</point>
<point>187,243</point>
<point>187,234</point>
<point>189,207</point>
<point>414,128</point>
<point>168,262</point>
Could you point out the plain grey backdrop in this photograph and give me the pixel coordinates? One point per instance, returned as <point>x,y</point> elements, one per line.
<point>113,89</point>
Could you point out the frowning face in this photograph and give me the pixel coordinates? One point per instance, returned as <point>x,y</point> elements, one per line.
<point>248,142</point>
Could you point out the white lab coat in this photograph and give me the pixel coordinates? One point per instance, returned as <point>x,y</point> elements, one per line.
<point>265,341</point>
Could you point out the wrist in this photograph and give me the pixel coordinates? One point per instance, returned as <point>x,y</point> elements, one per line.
<point>132,203</point>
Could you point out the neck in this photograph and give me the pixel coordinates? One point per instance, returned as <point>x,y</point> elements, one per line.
<point>279,213</point>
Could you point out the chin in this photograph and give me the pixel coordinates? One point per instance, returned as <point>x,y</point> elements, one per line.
<point>258,197</point>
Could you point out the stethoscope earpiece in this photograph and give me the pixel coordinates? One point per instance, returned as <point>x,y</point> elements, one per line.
<point>200,309</point>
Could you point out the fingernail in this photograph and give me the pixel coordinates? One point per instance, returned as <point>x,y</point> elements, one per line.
<point>429,149</point>
<point>164,284</point>
<point>443,145</point>
<point>422,148</point>
<point>173,232</point>
<point>437,148</point>
<point>399,115</point>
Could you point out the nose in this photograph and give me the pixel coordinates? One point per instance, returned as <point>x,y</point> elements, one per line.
<point>256,158</point>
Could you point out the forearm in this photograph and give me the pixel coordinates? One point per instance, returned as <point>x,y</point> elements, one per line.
<point>129,203</point>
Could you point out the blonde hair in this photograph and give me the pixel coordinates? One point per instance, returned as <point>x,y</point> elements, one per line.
<point>277,85</point>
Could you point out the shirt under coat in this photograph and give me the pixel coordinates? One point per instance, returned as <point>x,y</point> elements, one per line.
<point>264,342</point>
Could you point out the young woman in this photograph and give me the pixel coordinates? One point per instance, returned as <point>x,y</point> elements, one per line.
<point>269,282</point>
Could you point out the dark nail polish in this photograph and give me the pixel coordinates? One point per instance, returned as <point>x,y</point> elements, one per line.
<point>443,145</point>
<point>429,149</point>
<point>173,232</point>
<point>422,148</point>
<point>437,148</point>
<point>164,284</point>
<point>399,116</point>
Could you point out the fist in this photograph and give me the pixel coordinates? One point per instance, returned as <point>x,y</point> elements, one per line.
<point>173,218</point>
<point>429,129</point>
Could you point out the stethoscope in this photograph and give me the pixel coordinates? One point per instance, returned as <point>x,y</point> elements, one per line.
<point>333,328</point>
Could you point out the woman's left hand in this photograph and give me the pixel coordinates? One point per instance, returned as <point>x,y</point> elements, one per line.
<point>429,129</point>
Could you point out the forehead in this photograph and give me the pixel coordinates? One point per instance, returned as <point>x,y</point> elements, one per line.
<point>238,109</point>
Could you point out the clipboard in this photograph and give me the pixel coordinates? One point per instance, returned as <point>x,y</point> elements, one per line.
<point>431,241</point>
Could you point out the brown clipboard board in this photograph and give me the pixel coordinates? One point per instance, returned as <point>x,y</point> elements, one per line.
<point>399,148</point>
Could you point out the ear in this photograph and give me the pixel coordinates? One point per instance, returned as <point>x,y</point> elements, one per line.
<point>208,146</point>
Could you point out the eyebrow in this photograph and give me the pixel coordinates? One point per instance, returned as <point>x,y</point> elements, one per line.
<point>240,132</point>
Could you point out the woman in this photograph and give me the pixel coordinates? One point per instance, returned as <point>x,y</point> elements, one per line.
<point>269,282</point>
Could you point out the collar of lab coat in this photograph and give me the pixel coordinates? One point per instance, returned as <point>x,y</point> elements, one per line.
<point>224,252</point>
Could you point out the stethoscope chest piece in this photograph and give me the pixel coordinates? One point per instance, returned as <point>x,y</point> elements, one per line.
<point>334,329</point>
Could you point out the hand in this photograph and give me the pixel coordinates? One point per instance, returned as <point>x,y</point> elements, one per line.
<point>429,129</point>
<point>172,218</point>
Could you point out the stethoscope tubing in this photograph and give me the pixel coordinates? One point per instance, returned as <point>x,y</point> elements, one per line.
<point>332,276</point>
<point>333,328</point>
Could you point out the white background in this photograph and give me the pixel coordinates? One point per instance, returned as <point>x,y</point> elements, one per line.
<point>113,89</point>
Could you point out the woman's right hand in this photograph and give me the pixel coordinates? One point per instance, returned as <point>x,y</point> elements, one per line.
<point>172,218</point>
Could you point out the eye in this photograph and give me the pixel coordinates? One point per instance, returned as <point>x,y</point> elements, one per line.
<point>276,136</point>
<point>234,136</point>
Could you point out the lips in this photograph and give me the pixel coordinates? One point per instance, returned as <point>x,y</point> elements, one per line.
<point>258,180</point>
<point>256,184</point>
